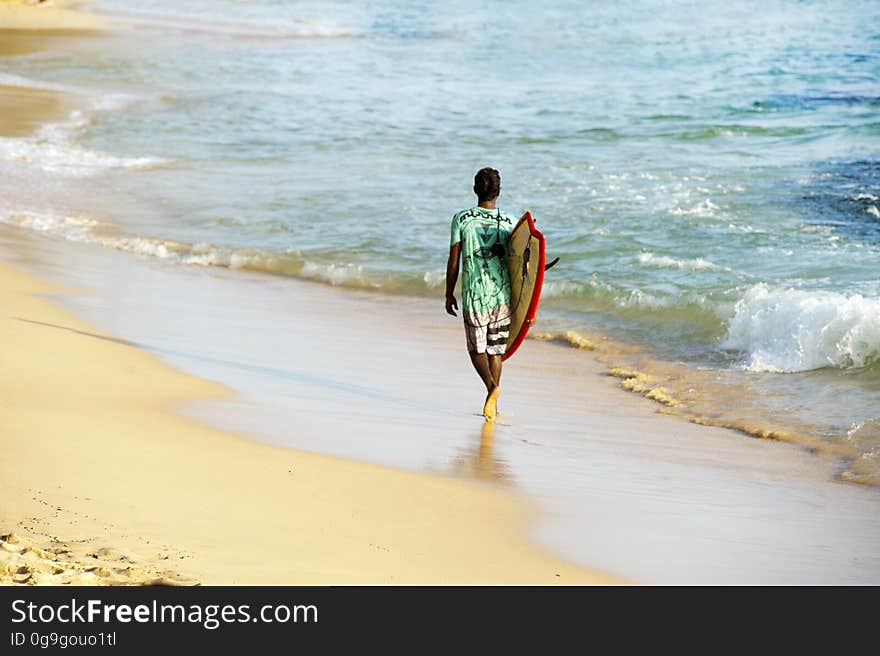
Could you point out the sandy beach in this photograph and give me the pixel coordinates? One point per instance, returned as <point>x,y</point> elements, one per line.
<point>577,466</point>
<point>101,483</point>
<point>52,15</point>
<point>182,421</point>
<point>22,109</point>
<point>25,28</point>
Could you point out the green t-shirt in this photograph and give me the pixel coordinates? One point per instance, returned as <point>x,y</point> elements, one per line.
<point>485,279</point>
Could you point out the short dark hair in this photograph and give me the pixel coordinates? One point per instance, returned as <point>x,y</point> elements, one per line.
<point>487,184</point>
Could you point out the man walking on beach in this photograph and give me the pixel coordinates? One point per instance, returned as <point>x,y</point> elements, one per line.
<point>479,238</point>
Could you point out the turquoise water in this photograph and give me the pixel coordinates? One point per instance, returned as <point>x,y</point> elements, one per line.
<point>708,175</point>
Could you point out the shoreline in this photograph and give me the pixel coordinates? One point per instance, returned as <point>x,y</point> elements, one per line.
<point>714,397</point>
<point>617,486</point>
<point>81,505</point>
<point>23,110</point>
<point>609,475</point>
<point>719,398</point>
<point>104,484</point>
<point>109,487</point>
<point>694,395</point>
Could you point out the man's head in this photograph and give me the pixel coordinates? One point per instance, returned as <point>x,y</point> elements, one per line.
<point>487,184</point>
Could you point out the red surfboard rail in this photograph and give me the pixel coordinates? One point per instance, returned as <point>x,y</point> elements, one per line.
<point>539,284</point>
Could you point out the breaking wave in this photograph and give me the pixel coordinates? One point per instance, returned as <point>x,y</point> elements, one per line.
<point>58,155</point>
<point>53,147</point>
<point>789,330</point>
<point>284,263</point>
<point>663,261</point>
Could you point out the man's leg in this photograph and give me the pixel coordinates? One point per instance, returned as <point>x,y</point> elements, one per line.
<point>497,332</point>
<point>495,368</point>
<point>476,337</point>
<point>481,364</point>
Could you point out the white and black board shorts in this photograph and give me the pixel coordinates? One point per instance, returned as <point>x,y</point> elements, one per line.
<point>487,331</point>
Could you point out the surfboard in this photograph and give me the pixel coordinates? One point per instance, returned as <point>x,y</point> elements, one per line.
<point>526,257</point>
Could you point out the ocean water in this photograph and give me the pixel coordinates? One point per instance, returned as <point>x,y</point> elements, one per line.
<point>708,173</point>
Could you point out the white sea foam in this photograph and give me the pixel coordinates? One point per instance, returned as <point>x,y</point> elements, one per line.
<point>280,28</point>
<point>87,230</point>
<point>11,80</point>
<point>56,155</point>
<point>554,288</point>
<point>53,147</point>
<point>202,254</point>
<point>867,431</point>
<point>114,102</point>
<point>745,228</point>
<point>336,274</point>
<point>435,279</point>
<point>788,330</point>
<point>639,299</point>
<point>704,208</point>
<point>665,262</point>
<point>100,100</point>
<point>73,228</point>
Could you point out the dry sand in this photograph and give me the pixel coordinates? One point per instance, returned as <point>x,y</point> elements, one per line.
<point>102,484</point>
<point>50,15</point>
<point>23,109</point>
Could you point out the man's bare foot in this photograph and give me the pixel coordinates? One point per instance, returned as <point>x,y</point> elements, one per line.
<point>490,407</point>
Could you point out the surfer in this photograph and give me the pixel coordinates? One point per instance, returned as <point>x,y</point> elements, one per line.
<point>479,240</point>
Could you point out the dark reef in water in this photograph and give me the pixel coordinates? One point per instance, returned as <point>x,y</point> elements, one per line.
<point>846,195</point>
<point>813,101</point>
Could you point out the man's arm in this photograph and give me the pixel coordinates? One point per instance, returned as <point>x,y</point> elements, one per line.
<point>452,277</point>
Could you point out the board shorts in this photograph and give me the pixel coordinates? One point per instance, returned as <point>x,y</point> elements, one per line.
<point>487,331</point>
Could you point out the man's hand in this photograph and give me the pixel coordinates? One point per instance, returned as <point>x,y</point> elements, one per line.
<point>451,305</point>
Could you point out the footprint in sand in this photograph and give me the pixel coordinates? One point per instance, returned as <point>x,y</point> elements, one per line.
<point>24,563</point>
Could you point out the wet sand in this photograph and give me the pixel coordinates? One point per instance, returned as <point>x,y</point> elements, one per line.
<point>23,110</point>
